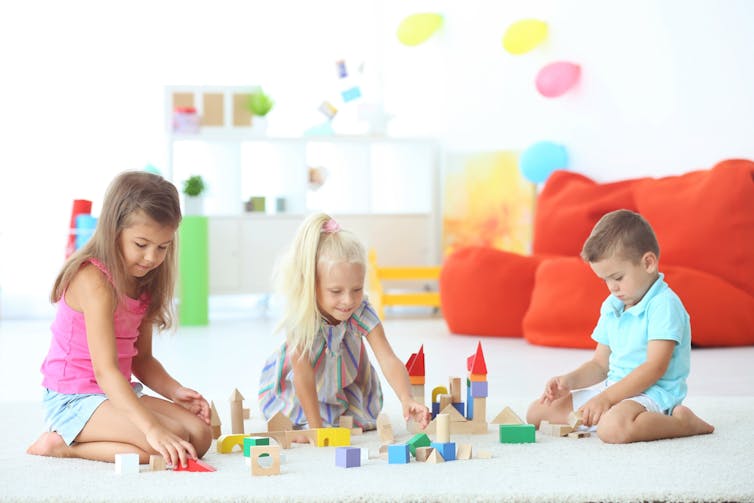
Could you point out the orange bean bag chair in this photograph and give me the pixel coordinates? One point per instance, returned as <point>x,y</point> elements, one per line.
<point>704,221</point>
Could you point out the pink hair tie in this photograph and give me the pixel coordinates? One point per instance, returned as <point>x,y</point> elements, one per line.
<point>331,226</point>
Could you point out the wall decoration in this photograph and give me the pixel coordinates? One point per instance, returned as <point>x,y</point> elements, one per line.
<point>418,28</point>
<point>541,159</point>
<point>524,35</point>
<point>557,78</point>
<point>486,202</point>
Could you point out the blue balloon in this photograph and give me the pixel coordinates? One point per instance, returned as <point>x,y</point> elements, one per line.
<point>539,160</point>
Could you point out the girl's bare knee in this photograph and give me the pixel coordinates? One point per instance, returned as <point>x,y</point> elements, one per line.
<point>613,432</point>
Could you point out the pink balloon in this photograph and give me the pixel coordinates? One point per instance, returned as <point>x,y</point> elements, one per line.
<point>555,79</point>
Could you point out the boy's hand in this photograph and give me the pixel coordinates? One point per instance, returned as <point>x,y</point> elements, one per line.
<point>192,401</point>
<point>555,388</point>
<point>593,410</point>
<point>416,411</point>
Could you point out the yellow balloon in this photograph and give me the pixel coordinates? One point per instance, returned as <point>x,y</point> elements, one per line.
<point>417,28</point>
<point>523,36</point>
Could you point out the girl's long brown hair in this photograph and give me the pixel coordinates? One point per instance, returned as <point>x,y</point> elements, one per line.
<point>128,193</point>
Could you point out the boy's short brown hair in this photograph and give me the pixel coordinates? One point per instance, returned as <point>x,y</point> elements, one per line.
<point>623,232</point>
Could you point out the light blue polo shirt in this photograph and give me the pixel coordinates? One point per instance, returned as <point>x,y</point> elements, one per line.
<point>659,315</point>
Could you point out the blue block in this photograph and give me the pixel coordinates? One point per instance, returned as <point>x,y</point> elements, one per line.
<point>470,409</point>
<point>435,409</point>
<point>446,449</point>
<point>478,389</point>
<point>398,454</point>
<point>459,407</point>
<point>351,94</point>
<point>347,457</point>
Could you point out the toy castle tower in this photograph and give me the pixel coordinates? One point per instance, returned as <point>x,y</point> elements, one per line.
<point>415,367</point>
<point>476,387</point>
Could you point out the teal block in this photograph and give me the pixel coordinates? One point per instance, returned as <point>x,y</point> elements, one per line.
<point>250,442</point>
<point>418,440</point>
<point>516,433</point>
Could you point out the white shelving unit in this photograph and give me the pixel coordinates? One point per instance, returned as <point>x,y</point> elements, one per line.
<point>384,189</point>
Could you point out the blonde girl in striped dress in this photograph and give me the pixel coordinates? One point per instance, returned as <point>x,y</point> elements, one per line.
<point>322,370</point>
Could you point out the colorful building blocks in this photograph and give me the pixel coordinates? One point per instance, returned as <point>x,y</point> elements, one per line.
<point>398,454</point>
<point>418,440</point>
<point>265,460</point>
<point>249,442</point>
<point>194,465</point>
<point>236,412</point>
<point>446,449</point>
<point>333,437</point>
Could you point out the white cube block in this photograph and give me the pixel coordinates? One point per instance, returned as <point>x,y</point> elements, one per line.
<point>127,464</point>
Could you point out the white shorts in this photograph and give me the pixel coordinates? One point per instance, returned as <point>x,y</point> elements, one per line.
<point>582,396</point>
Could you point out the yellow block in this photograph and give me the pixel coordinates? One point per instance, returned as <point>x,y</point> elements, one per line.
<point>333,437</point>
<point>440,390</point>
<point>226,443</point>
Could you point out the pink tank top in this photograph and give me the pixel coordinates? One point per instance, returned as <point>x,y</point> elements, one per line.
<point>68,365</point>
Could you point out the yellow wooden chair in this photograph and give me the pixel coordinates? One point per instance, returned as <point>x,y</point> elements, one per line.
<point>379,298</point>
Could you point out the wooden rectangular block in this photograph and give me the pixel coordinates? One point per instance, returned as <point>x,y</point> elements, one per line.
<point>156,463</point>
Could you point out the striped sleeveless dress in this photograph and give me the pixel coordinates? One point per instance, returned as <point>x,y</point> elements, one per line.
<point>346,381</point>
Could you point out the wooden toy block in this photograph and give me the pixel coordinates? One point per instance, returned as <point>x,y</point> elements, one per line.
<point>385,429</point>
<point>348,457</point>
<point>439,390</point>
<point>265,460</point>
<point>311,435</point>
<point>415,363</point>
<point>478,407</point>
<point>278,436</point>
<point>226,443</point>
<point>455,389</point>
<point>417,391</point>
<point>483,454</point>
<point>475,363</point>
<point>446,449</point>
<point>364,455</point>
<point>478,389</point>
<point>333,437</point>
<point>560,430</point>
<point>435,409</point>
<point>236,412</point>
<point>477,377</point>
<point>418,440</point>
<point>579,434</point>
<point>194,465</point>
<point>279,422</point>
<point>574,419</point>
<point>249,442</point>
<point>356,431</point>
<point>417,380</point>
<point>435,457</point>
<point>463,451</point>
<point>422,453</point>
<point>516,433</point>
<point>127,463</point>
<point>460,407</point>
<point>345,422</point>
<point>507,416</point>
<point>156,463</point>
<point>470,406</point>
<point>442,427</point>
<point>214,421</point>
<point>452,411</point>
<point>246,413</point>
<point>445,399</point>
<point>398,454</point>
<point>382,452</point>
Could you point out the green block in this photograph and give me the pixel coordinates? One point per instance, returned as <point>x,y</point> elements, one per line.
<point>516,433</point>
<point>250,442</point>
<point>193,271</point>
<point>418,440</point>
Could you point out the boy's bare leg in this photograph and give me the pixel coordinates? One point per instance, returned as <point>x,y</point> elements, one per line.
<point>629,421</point>
<point>555,412</point>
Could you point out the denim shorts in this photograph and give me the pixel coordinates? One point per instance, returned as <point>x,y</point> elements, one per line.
<point>67,414</point>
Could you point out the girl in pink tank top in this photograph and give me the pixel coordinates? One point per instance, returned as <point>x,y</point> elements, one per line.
<point>110,295</point>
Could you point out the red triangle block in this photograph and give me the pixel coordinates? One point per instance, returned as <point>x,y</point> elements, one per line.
<point>475,363</point>
<point>415,364</point>
<point>194,465</point>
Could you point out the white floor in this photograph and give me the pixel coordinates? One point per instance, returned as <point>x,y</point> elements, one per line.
<point>229,354</point>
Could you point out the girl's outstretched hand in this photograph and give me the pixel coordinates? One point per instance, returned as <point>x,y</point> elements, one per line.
<point>174,449</point>
<point>416,411</point>
<point>192,401</point>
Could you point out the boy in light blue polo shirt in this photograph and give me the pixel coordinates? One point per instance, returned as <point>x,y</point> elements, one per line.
<point>643,345</point>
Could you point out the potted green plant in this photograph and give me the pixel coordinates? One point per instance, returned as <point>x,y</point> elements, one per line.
<point>193,187</point>
<point>260,104</point>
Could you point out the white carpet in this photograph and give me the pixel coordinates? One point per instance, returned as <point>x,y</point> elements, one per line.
<point>717,467</point>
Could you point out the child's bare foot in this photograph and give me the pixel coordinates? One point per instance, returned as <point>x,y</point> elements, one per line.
<point>49,444</point>
<point>696,424</point>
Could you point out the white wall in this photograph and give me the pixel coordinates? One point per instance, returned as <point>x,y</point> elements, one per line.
<point>666,88</point>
